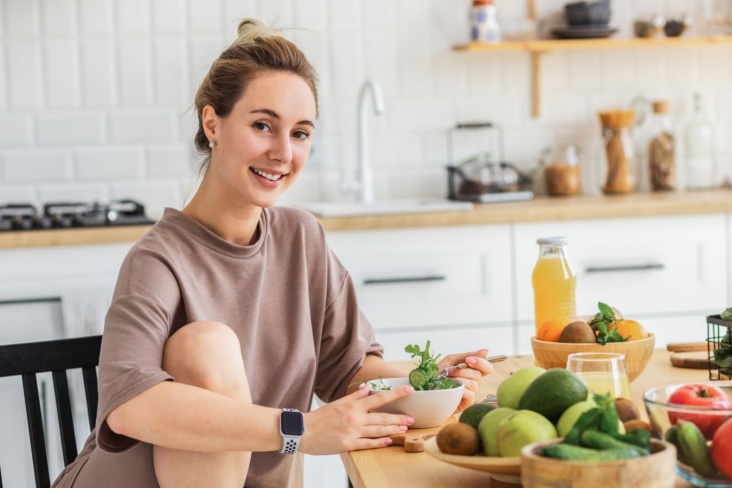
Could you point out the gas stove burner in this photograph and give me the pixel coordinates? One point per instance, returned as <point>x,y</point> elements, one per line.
<point>66,215</point>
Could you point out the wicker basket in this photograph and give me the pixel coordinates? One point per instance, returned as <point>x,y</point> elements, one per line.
<point>719,336</point>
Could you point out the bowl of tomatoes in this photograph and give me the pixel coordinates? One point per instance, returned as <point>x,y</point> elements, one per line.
<point>697,419</point>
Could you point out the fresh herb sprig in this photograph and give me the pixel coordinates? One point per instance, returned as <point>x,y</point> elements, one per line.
<point>602,324</point>
<point>422,378</point>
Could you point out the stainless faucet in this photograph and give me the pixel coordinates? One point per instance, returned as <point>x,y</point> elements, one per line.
<point>365,184</point>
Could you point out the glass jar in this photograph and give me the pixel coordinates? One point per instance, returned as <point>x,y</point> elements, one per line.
<point>699,154</point>
<point>619,153</point>
<point>554,281</point>
<point>662,150</point>
<point>562,172</point>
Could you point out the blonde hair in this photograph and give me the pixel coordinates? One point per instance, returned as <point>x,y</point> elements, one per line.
<point>258,48</point>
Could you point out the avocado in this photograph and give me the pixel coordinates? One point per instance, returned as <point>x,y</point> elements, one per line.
<point>553,392</point>
<point>475,413</point>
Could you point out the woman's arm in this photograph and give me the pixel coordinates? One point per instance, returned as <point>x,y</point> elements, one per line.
<point>186,417</point>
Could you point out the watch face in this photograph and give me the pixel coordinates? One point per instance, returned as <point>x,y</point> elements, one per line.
<point>292,423</point>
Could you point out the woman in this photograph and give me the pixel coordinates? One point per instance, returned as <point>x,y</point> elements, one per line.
<point>231,314</point>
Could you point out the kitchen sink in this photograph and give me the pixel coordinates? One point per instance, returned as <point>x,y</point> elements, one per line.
<point>386,207</point>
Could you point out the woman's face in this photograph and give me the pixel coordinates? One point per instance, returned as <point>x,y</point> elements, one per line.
<point>264,142</point>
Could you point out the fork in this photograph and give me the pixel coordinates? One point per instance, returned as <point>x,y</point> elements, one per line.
<point>449,369</point>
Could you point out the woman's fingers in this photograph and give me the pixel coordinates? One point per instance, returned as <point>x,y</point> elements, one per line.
<point>386,396</point>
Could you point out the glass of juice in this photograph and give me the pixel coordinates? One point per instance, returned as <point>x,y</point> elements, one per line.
<point>554,281</point>
<point>604,372</point>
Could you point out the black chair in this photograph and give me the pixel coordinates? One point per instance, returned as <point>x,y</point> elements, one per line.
<point>57,357</point>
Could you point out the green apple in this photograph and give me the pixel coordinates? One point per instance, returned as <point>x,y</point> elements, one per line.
<point>510,390</point>
<point>488,429</point>
<point>570,416</point>
<point>521,429</point>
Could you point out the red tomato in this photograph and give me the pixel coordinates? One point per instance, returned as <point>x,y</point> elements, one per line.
<point>722,448</point>
<point>703,396</point>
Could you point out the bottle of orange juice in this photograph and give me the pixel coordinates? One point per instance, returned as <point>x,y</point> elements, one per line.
<point>554,281</point>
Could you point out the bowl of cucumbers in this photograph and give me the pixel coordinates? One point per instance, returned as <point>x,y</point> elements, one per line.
<point>697,419</point>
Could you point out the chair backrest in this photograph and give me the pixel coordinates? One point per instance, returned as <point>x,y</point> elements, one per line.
<point>27,360</point>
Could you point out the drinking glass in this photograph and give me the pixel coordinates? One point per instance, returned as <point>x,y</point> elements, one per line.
<point>604,372</point>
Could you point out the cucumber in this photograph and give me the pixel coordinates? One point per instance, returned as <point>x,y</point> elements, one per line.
<point>672,436</point>
<point>417,378</point>
<point>695,449</point>
<point>599,440</point>
<point>577,453</point>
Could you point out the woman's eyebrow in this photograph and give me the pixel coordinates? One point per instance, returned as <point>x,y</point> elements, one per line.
<point>274,115</point>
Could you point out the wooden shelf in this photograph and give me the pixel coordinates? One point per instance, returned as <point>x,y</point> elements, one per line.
<point>539,47</point>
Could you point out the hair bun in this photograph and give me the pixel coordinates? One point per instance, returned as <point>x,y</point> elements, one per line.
<point>250,29</point>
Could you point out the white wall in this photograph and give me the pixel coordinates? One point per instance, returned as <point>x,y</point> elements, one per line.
<point>95,94</point>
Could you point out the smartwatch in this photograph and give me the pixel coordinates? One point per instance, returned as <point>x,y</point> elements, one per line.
<point>292,427</point>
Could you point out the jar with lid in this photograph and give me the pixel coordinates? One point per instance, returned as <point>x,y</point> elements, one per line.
<point>619,152</point>
<point>484,25</point>
<point>662,149</point>
<point>562,172</point>
<point>554,281</point>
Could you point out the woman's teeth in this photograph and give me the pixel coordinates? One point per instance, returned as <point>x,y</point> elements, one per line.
<point>267,175</point>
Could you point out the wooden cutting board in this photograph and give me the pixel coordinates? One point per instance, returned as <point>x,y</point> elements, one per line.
<point>693,360</point>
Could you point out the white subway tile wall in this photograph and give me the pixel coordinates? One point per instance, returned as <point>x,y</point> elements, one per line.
<point>95,95</point>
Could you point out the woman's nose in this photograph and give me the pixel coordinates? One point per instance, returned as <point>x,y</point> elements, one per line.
<point>281,149</point>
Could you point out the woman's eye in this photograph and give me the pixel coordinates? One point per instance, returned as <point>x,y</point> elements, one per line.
<point>261,126</point>
<point>300,134</point>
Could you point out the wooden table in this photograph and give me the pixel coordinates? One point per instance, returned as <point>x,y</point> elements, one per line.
<point>392,467</point>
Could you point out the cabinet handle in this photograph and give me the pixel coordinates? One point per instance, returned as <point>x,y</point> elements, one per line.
<point>406,279</point>
<point>625,267</point>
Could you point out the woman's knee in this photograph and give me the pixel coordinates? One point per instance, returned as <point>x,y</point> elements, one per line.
<point>207,354</point>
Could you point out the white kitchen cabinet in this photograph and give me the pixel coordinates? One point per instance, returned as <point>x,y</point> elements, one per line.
<point>430,277</point>
<point>645,266</point>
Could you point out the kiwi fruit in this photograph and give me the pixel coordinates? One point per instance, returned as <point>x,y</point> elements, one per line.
<point>458,438</point>
<point>576,332</point>
<point>636,424</point>
<point>627,410</point>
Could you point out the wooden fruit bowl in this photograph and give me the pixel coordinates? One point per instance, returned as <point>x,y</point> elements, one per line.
<point>654,471</point>
<point>554,354</point>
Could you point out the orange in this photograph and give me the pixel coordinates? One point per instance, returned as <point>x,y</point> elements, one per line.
<point>630,328</point>
<point>552,329</point>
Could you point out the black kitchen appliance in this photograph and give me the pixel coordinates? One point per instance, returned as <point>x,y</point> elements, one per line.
<point>66,215</point>
<point>482,177</point>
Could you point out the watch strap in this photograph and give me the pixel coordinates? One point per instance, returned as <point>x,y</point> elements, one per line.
<point>290,443</point>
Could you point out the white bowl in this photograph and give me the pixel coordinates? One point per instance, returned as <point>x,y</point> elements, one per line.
<point>428,408</point>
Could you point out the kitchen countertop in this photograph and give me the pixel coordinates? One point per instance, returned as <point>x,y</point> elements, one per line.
<point>393,467</point>
<point>539,209</point>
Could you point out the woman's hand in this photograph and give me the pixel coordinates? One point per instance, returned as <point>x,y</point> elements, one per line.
<point>347,424</point>
<point>470,376</point>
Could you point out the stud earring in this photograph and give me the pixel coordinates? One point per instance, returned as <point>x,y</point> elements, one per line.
<point>212,144</point>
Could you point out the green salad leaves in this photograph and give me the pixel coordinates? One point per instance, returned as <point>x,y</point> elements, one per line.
<point>424,376</point>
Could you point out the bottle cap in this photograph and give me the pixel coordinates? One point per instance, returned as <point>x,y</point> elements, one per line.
<point>660,107</point>
<point>482,3</point>
<point>552,241</point>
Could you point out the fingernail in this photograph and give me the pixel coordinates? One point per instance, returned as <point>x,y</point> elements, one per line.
<point>388,441</point>
<point>408,389</point>
<point>410,420</point>
<point>362,385</point>
<point>402,427</point>
<point>470,360</point>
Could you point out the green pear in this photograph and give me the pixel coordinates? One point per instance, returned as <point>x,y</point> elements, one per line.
<point>510,390</point>
<point>521,429</point>
<point>488,429</point>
